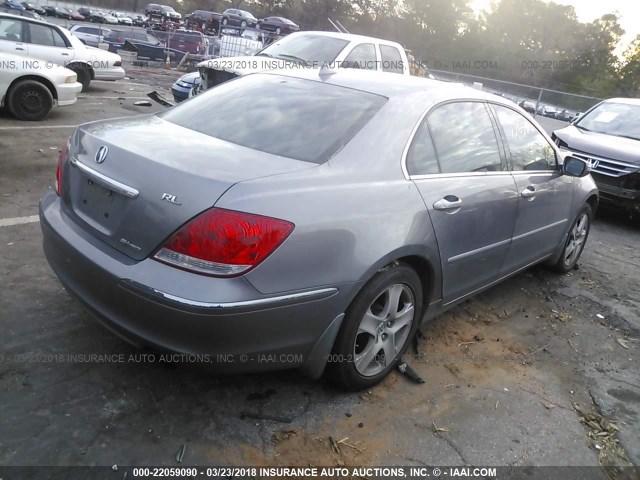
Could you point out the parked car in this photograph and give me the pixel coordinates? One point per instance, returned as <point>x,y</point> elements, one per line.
<point>122,18</point>
<point>189,41</point>
<point>30,89</point>
<point>33,8</point>
<point>608,137</point>
<point>206,20</point>
<point>311,50</point>
<point>183,87</point>
<point>42,40</point>
<point>90,35</point>
<point>148,46</point>
<point>279,25</point>
<point>11,5</point>
<point>139,21</point>
<point>50,10</point>
<point>564,115</point>
<point>238,18</point>
<point>527,106</point>
<point>162,11</point>
<point>212,266</point>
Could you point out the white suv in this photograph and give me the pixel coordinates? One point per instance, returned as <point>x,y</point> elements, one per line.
<point>57,46</point>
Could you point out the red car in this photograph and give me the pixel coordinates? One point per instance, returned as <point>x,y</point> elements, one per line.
<point>189,41</point>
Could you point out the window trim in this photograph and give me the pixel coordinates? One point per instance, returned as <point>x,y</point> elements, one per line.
<point>505,143</point>
<point>405,152</point>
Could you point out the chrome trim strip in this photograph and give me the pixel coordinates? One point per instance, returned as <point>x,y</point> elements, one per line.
<point>260,302</point>
<point>537,230</point>
<point>478,250</point>
<point>105,181</point>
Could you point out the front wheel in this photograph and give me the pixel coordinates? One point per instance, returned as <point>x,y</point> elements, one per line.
<point>224,21</point>
<point>30,100</point>
<point>377,328</point>
<point>576,240</point>
<point>243,24</point>
<point>278,31</point>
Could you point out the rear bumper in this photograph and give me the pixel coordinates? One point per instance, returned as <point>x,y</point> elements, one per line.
<point>114,73</point>
<point>67,93</point>
<point>225,320</point>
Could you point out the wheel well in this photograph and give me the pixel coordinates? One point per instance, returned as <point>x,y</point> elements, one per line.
<point>82,65</point>
<point>42,80</point>
<point>425,271</point>
<point>593,203</point>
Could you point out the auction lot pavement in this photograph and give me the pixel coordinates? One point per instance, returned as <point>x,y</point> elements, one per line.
<point>519,375</point>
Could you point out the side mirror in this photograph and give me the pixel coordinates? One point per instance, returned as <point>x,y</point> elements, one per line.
<point>574,167</point>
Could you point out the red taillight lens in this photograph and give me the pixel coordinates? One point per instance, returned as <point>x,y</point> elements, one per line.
<point>61,159</point>
<point>224,242</point>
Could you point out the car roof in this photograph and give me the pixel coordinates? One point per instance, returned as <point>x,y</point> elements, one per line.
<point>628,101</point>
<point>347,36</point>
<point>394,85</point>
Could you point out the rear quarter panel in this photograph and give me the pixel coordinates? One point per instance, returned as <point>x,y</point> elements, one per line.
<point>352,215</point>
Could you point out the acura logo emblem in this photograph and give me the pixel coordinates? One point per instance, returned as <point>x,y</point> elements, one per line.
<point>101,154</point>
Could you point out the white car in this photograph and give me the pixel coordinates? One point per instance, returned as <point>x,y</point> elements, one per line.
<point>30,89</point>
<point>56,45</point>
<point>90,35</point>
<point>309,50</point>
<point>122,18</point>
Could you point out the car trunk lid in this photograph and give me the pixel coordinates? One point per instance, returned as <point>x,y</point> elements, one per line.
<point>133,182</point>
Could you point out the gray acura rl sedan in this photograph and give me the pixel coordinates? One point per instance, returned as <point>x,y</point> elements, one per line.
<point>308,220</point>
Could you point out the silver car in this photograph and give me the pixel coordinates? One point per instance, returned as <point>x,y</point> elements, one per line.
<point>308,220</point>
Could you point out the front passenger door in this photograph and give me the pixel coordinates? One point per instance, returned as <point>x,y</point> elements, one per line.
<point>545,194</point>
<point>456,162</point>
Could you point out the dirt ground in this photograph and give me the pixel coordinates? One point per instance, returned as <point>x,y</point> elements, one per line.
<point>541,370</point>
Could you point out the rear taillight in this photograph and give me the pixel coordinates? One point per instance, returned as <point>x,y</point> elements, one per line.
<point>61,160</point>
<point>117,64</point>
<point>224,243</point>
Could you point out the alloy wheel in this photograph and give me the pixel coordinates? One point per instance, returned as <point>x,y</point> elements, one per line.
<point>384,330</point>
<point>577,237</point>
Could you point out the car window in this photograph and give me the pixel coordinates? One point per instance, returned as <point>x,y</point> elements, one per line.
<point>529,149</point>
<point>391,59</point>
<point>362,56</point>
<point>313,49</point>
<point>421,157</point>
<point>44,35</point>
<point>152,40</point>
<point>464,138</point>
<point>613,118</point>
<point>290,117</point>
<point>10,30</point>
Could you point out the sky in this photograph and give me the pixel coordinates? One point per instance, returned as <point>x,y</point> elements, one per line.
<point>588,10</point>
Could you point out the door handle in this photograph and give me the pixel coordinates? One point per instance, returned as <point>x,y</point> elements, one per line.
<point>65,54</point>
<point>529,192</point>
<point>448,203</point>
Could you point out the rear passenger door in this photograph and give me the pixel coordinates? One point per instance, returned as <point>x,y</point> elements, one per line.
<point>545,195</point>
<point>46,43</point>
<point>458,164</point>
<point>391,59</point>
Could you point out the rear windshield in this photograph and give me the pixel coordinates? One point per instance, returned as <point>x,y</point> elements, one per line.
<point>295,118</point>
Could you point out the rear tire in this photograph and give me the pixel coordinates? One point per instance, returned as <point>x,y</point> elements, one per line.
<point>30,100</point>
<point>243,24</point>
<point>377,329</point>
<point>576,240</point>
